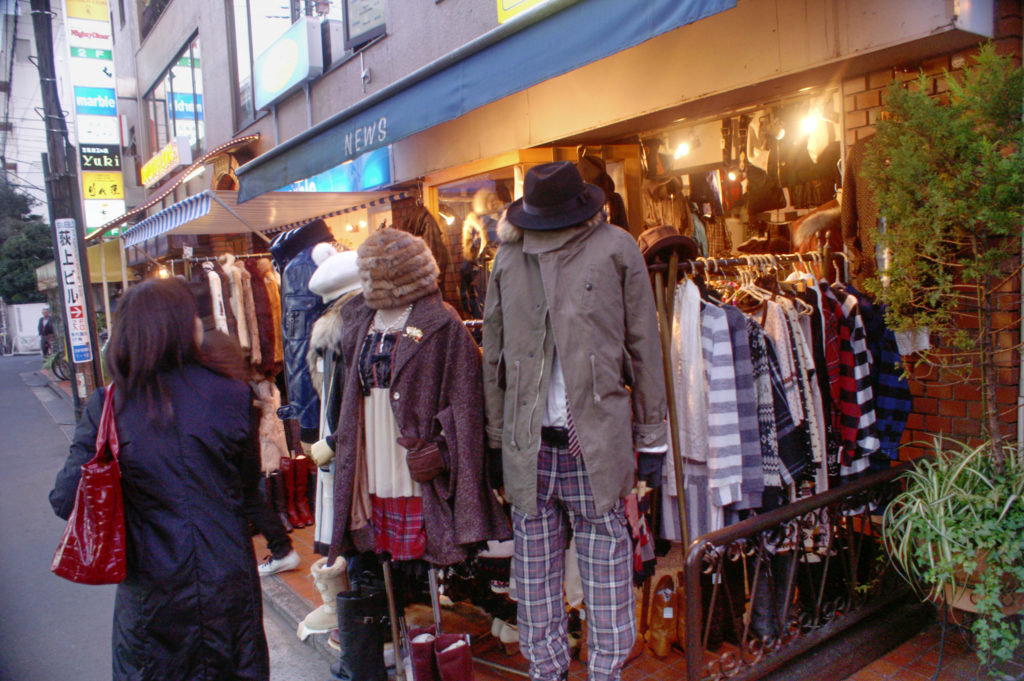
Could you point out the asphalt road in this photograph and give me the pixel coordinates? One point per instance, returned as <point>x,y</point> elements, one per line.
<point>50,628</point>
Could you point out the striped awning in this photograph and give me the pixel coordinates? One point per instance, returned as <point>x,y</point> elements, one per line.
<point>169,219</point>
<point>218,212</point>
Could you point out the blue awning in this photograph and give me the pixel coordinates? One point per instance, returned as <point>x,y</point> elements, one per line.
<point>218,212</point>
<point>532,52</point>
<point>169,219</point>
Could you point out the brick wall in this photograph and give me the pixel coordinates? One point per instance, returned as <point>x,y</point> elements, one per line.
<point>944,402</point>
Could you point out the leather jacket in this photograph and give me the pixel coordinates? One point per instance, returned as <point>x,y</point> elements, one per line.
<point>300,308</point>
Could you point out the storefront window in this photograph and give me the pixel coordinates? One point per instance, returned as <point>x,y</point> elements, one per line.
<point>174,107</point>
<point>468,212</point>
<point>149,12</point>
<point>258,23</point>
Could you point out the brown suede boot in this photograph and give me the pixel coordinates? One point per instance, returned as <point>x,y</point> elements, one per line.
<point>661,632</point>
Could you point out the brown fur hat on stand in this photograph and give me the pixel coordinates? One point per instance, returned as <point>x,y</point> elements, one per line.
<point>396,268</point>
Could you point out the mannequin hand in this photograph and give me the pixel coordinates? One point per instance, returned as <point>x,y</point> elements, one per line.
<point>424,459</point>
<point>648,468</point>
<point>321,453</point>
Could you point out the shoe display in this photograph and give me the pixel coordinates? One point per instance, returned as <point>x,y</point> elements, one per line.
<point>661,632</point>
<point>300,475</point>
<point>271,566</point>
<point>329,581</point>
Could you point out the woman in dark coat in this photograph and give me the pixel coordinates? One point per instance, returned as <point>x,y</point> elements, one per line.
<point>190,607</point>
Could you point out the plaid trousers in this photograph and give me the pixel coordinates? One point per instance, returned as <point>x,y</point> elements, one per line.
<point>604,548</point>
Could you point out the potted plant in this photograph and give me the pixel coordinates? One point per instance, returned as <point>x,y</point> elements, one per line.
<point>949,179</point>
<point>956,531</point>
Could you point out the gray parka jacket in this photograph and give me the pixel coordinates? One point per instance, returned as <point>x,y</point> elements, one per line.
<point>584,290</point>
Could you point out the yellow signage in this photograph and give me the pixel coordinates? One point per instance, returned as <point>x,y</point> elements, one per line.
<point>509,8</point>
<point>175,154</point>
<point>88,9</point>
<point>102,185</point>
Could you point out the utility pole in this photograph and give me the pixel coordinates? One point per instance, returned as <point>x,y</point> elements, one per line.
<point>60,166</point>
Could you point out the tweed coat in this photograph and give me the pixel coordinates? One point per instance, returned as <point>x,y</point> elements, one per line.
<point>437,395</point>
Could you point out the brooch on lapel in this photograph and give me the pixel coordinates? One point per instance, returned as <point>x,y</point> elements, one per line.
<point>414,334</point>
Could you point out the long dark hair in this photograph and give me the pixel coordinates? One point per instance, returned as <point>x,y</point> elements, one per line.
<point>153,333</point>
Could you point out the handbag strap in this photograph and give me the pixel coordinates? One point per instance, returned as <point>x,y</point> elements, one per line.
<point>106,437</point>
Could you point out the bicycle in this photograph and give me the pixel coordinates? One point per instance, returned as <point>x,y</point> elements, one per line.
<point>57,361</point>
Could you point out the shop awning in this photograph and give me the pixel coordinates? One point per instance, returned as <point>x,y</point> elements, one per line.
<point>176,181</point>
<point>551,39</point>
<point>218,212</point>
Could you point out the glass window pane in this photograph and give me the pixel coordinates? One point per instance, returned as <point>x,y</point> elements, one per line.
<point>269,20</point>
<point>243,59</point>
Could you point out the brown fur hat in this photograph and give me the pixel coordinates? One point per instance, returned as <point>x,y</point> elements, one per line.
<point>396,268</point>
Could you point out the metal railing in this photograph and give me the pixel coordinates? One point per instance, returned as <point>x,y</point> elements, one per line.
<point>767,589</point>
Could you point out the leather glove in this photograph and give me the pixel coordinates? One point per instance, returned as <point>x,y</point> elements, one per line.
<point>321,452</point>
<point>424,459</point>
<point>648,467</point>
<point>495,472</point>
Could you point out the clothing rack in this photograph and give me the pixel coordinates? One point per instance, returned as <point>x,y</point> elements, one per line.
<point>665,276</point>
<point>712,265</point>
<point>211,258</point>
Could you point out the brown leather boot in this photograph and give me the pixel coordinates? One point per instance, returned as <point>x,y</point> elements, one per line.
<point>661,631</point>
<point>301,466</point>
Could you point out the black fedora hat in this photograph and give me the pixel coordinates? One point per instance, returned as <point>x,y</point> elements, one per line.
<point>554,196</point>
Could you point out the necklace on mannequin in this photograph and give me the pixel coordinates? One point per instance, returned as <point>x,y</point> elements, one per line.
<point>384,327</point>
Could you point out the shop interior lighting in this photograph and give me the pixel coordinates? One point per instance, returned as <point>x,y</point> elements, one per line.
<point>777,129</point>
<point>362,224</point>
<point>687,145</point>
<point>447,217</point>
<point>163,273</point>
<point>349,228</point>
<point>732,176</point>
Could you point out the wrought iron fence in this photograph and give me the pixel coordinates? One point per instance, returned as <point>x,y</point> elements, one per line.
<point>769,588</point>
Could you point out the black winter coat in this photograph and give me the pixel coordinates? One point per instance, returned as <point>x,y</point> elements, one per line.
<point>190,607</point>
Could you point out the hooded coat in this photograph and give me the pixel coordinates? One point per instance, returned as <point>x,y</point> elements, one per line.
<point>190,607</point>
<point>436,395</point>
<point>584,290</point>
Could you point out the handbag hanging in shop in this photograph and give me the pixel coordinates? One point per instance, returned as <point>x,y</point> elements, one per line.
<point>92,549</point>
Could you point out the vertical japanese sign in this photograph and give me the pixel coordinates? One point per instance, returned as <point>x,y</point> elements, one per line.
<point>70,271</point>
<point>91,65</point>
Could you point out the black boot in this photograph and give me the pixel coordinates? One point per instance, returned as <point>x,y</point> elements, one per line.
<point>277,497</point>
<point>360,634</point>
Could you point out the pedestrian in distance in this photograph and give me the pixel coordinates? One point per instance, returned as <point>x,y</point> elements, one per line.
<point>190,606</point>
<point>46,332</point>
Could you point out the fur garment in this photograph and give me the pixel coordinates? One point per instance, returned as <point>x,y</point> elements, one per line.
<point>325,339</point>
<point>822,221</point>
<point>273,444</point>
<point>396,268</point>
<point>272,284</point>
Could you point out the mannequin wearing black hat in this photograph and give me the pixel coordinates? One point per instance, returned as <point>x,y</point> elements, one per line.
<point>571,354</point>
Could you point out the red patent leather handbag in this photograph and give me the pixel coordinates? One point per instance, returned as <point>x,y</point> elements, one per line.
<point>92,550</point>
